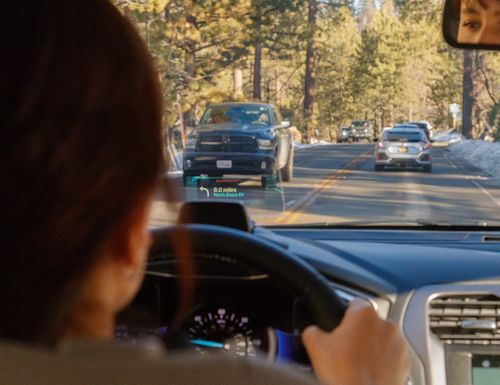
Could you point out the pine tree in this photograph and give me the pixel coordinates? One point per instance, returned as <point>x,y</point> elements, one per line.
<point>417,10</point>
<point>270,28</point>
<point>338,44</point>
<point>366,12</point>
<point>388,6</point>
<point>377,75</point>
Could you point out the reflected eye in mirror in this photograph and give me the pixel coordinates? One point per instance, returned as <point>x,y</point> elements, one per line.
<point>472,24</point>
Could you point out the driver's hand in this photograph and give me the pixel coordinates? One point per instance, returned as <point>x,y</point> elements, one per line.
<point>363,349</point>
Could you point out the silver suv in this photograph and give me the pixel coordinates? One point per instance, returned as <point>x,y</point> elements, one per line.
<point>403,147</point>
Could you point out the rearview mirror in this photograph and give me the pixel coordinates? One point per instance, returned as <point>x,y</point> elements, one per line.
<point>472,24</point>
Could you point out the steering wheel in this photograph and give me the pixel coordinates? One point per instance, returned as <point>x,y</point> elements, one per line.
<point>302,280</point>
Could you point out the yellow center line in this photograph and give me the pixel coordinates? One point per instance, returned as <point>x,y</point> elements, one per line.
<point>289,216</point>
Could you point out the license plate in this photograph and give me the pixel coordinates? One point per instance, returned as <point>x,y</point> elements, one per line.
<point>403,149</point>
<point>224,163</point>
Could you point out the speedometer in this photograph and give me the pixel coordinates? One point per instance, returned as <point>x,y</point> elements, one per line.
<point>216,329</point>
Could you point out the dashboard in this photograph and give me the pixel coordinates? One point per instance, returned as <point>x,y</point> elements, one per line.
<point>232,309</point>
<point>441,287</point>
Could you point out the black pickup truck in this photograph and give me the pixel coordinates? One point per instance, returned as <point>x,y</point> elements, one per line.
<point>240,139</point>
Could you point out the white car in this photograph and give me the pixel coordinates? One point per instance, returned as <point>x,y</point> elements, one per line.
<point>403,147</point>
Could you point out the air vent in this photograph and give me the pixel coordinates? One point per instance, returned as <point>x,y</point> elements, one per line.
<point>466,319</point>
<point>492,239</point>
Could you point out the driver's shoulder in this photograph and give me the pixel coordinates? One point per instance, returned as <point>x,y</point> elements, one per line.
<point>100,363</point>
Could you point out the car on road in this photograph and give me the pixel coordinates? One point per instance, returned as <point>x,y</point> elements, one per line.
<point>403,126</point>
<point>424,125</point>
<point>358,130</point>
<point>345,134</point>
<point>240,139</point>
<point>403,147</point>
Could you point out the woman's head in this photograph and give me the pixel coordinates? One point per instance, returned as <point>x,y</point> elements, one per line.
<point>81,152</point>
<point>479,21</point>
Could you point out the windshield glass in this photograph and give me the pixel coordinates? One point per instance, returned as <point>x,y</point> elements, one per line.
<point>287,107</point>
<point>237,114</point>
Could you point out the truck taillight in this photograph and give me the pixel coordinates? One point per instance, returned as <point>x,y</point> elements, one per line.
<point>427,145</point>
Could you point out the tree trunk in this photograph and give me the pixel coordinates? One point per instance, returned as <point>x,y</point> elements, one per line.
<point>310,78</point>
<point>278,85</point>
<point>268,93</point>
<point>467,96</point>
<point>478,126</point>
<point>257,67</point>
<point>237,83</point>
<point>189,75</point>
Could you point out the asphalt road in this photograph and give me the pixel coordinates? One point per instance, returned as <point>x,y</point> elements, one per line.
<point>337,184</point>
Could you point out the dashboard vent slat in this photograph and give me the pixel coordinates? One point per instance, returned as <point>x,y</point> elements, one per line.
<point>493,239</point>
<point>466,319</point>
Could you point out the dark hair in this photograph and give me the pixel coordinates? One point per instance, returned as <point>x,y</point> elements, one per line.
<point>80,120</point>
<point>458,5</point>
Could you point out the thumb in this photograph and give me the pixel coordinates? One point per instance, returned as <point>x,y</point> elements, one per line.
<point>311,336</point>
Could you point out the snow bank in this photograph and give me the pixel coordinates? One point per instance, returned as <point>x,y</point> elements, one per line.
<point>447,137</point>
<point>483,155</point>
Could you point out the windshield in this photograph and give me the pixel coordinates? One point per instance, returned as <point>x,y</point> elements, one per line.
<point>302,71</point>
<point>237,114</point>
